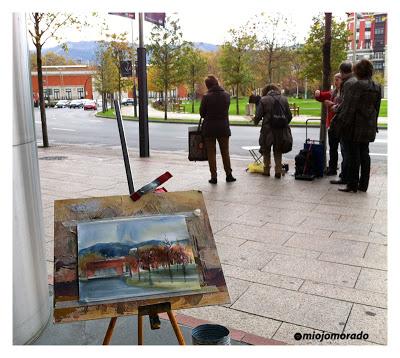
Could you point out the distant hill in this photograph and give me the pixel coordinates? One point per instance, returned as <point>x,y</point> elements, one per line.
<point>82,51</point>
<point>204,46</point>
<point>116,249</point>
<point>85,51</point>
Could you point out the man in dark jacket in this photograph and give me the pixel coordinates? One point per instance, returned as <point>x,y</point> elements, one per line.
<point>358,119</point>
<point>214,108</point>
<point>348,80</point>
<point>269,136</point>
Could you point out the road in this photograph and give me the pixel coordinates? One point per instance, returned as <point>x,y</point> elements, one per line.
<point>76,126</point>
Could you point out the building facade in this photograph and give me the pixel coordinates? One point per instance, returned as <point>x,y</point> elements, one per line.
<point>64,82</point>
<point>371,38</point>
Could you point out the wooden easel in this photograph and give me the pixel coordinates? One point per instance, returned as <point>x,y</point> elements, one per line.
<point>151,310</point>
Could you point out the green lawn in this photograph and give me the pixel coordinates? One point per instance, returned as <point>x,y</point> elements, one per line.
<point>309,107</point>
<point>111,114</point>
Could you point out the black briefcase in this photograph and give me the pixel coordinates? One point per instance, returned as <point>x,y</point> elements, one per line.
<point>197,147</point>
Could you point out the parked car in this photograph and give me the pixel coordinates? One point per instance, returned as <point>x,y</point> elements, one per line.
<point>90,105</point>
<point>76,103</point>
<point>127,101</point>
<point>62,103</point>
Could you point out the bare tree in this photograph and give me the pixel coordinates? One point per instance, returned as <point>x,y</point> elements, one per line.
<point>274,35</point>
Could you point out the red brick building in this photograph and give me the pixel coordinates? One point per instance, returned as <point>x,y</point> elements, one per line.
<point>65,82</point>
<point>107,268</point>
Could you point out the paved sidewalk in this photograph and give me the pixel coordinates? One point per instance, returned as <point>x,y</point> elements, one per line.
<point>154,113</point>
<point>297,256</point>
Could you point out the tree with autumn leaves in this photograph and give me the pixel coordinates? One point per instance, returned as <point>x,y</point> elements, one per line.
<point>166,52</point>
<point>154,257</point>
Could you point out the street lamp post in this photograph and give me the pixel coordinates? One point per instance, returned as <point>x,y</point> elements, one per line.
<point>326,63</point>
<point>134,78</point>
<point>143,102</point>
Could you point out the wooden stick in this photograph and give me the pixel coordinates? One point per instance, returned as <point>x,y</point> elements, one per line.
<point>110,330</point>
<point>140,329</point>
<point>176,328</point>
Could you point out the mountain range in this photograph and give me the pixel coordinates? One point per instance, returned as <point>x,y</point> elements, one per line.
<point>117,249</point>
<point>85,51</point>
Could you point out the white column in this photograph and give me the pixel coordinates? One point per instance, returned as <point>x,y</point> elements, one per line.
<point>30,290</point>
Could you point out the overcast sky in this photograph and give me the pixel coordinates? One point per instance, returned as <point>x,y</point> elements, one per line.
<point>132,230</point>
<point>199,26</point>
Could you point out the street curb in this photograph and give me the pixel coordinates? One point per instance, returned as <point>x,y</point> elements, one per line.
<point>237,335</point>
<point>182,121</point>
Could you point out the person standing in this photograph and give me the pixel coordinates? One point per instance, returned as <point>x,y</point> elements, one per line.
<point>214,108</point>
<point>348,79</point>
<point>331,99</point>
<point>271,136</point>
<point>359,124</point>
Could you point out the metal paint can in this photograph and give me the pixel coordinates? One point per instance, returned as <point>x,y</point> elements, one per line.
<point>210,334</point>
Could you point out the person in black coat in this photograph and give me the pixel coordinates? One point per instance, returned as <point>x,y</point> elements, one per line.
<point>214,108</point>
<point>358,121</point>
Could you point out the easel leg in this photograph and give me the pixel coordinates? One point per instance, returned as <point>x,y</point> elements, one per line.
<point>110,330</point>
<point>176,328</point>
<point>140,329</point>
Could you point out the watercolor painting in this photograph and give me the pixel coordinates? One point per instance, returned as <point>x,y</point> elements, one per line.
<point>135,257</point>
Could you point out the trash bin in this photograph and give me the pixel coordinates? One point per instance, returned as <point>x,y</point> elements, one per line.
<point>211,334</point>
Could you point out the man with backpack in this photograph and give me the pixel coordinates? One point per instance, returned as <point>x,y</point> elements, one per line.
<point>273,110</point>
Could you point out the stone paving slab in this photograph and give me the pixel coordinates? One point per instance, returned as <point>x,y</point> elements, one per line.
<point>295,307</point>
<point>373,263</point>
<point>226,240</point>
<point>372,280</point>
<point>329,245</point>
<point>345,293</point>
<point>371,237</point>
<point>285,203</point>
<point>244,257</point>
<point>344,210</point>
<point>334,225</point>
<point>218,225</point>
<point>265,278</point>
<point>262,234</point>
<point>287,331</point>
<point>298,229</point>
<point>315,270</point>
<point>236,288</point>
<point>275,216</point>
<point>254,324</point>
<point>285,250</point>
<point>371,320</point>
<point>380,228</point>
<point>351,199</point>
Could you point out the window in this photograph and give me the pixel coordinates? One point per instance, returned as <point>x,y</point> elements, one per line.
<point>367,44</point>
<point>367,25</point>
<point>367,35</point>
<point>80,93</point>
<point>378,65</point>
<point>48,92</point>
<point>56,94</point>
<point>68,92</point>
<point>379,31</point>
